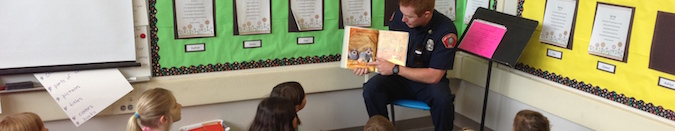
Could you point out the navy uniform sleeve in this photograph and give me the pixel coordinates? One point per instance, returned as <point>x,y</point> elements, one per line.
<point>396,23</point>
<point>443,56</point>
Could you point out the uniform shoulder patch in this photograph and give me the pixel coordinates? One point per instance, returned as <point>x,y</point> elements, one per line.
<point>450,40</point>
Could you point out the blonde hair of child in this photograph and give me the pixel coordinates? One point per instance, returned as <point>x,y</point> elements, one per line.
<point>378,123</point>
<point>152,105</point>
<point>26,121</point>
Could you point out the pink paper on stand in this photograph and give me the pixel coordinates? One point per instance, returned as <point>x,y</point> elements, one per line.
<point>482,38</point>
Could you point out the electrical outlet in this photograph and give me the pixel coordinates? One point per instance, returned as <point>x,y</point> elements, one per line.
<point>126,104</point>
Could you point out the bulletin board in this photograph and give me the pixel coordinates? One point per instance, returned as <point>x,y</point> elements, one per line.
<point>633,83</point>
<point>225,51</point>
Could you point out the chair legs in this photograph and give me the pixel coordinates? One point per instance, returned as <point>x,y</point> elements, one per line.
<point>393,114</point>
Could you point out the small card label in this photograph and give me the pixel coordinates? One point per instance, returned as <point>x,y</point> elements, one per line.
<point>305,40</point>
<point>554,53</point>
<point>252,44</point>
<point>606,67</point>
<point>195,47</point>
<point>666,83</point>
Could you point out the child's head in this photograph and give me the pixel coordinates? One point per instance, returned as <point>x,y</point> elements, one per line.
<point>26,121</point>
<point>156,109</point>
<point>292,91</point>
<point>528,120</point>
<point>378,123</point>
<point>466,129</point>
<point>275,113</point>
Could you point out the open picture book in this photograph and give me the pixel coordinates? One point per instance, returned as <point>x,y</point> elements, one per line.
<point>363,45</point>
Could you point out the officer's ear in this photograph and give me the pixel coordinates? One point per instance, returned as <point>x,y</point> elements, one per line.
<point>427,14</point>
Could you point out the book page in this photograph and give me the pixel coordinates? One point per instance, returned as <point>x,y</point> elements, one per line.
<point>359,47</point>
<point>393,46</point>
<point>363,45</point>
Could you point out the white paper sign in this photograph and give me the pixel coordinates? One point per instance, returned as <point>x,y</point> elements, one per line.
<point>356,12</point>
<point>308,14</point>
<point>195,47</point>
<point>557,25</point>
<point>446,7</point>
<point>472,6</point>
<point>194,18</point>
<point>254,16</point>
<point>252,44</point>
<point>554,53</point>
<point>610,31</point>
<point>666,83</point>
<point>306,40</point>
<point>83,94</point>
<point>140,13</point>
<point>606,67</point>
<point>510,6</point>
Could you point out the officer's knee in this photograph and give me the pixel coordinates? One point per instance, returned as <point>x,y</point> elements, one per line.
<point>442,97</point>
<point>368,89</point>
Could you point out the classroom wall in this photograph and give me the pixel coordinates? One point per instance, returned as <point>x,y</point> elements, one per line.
<point>225,88</point>
<point>633,78</point>
<point>324,111</point>
<point>569,104</point>
<point>502,109</point>
<point>587,110</point>
<point>203,88</point>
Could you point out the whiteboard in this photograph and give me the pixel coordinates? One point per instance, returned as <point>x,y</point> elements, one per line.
<point>35,33</point>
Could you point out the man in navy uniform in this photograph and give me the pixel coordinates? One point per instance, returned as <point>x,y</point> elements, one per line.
<point>431,51</point>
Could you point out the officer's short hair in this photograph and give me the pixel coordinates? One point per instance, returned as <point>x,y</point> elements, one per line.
<point>420,5</point>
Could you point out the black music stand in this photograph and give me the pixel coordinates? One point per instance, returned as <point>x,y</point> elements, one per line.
<point>518,33</point>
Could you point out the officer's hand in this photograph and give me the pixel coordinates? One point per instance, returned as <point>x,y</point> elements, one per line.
<point>361,71</point>
<point>383,66</point>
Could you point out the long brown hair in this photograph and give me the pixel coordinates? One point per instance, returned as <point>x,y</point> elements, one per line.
<point>274,114</point>
<point>528,120</point>
<point>152,105</point>
<point>26,121</point>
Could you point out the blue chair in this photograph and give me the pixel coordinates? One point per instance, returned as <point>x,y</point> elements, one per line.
<point>415,104</point>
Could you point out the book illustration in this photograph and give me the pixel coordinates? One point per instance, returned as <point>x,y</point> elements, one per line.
<point>363,45</point>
